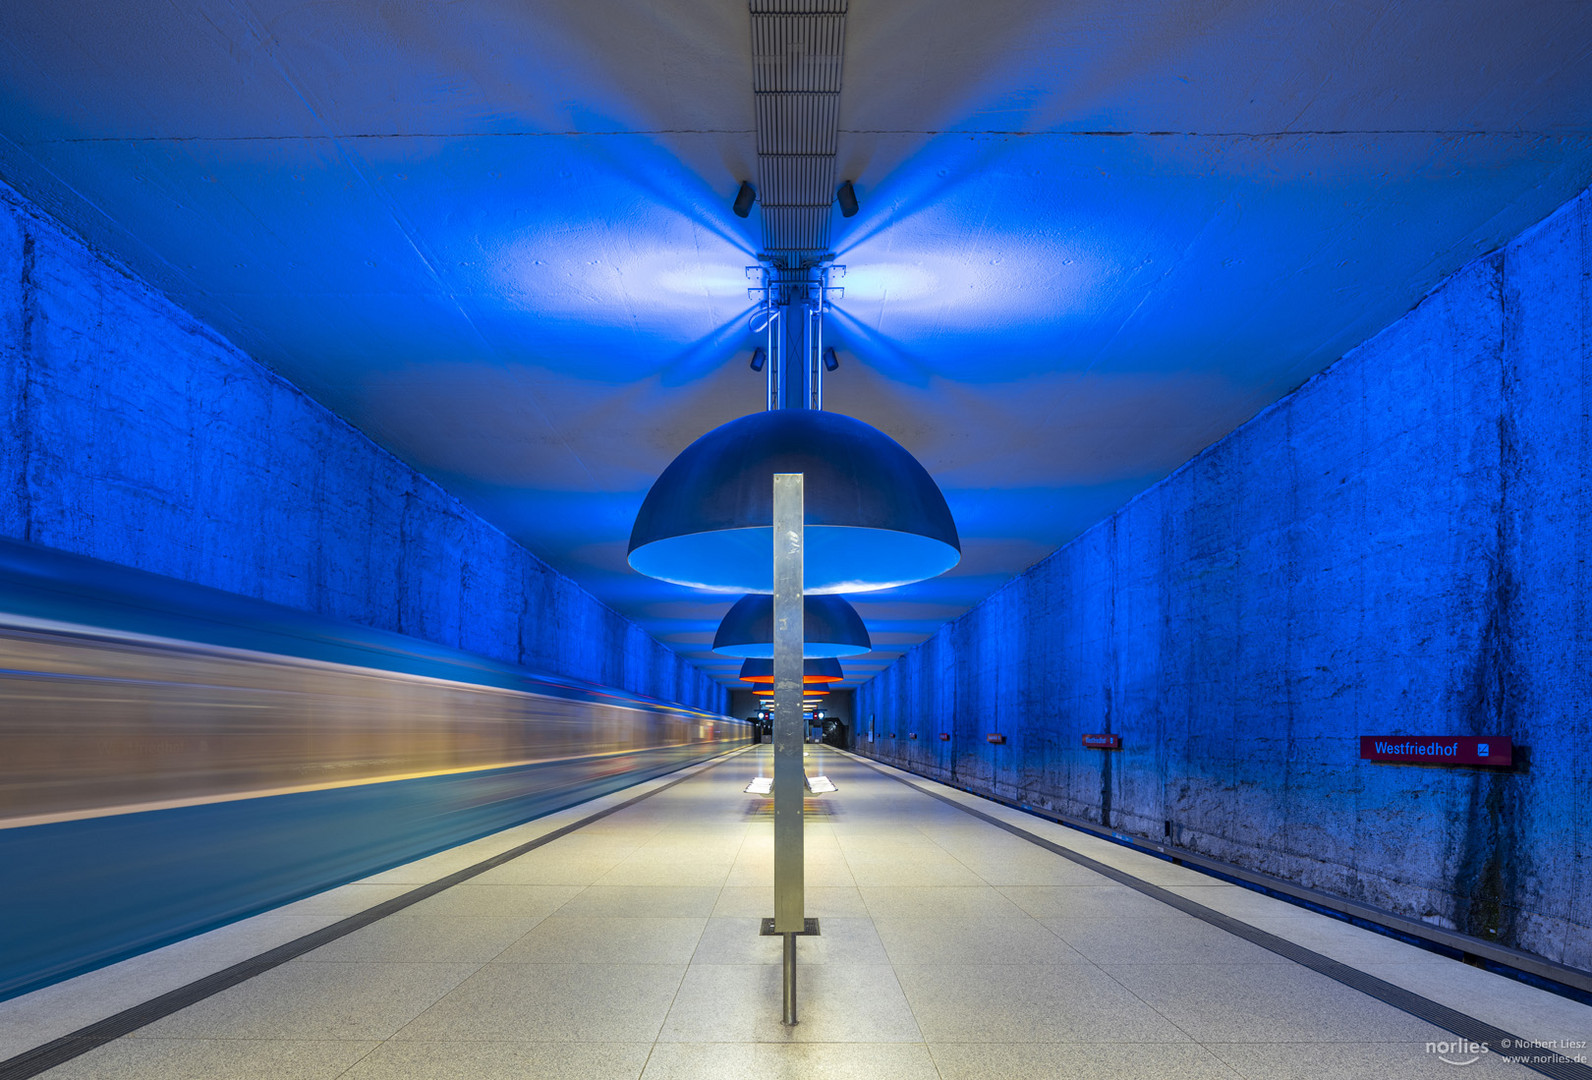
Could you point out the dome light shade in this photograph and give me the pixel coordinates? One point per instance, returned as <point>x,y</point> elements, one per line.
<point>874,516</point>
<point>833,628</point>
<point>825,670</point>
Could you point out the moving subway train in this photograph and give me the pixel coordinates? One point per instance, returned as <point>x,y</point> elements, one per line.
<point>173,757</point>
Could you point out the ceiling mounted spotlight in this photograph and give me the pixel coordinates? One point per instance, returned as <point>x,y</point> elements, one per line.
<point>759,358</point>
<point>831,626</point>
<point>846,197</point>
<point>875,518</point>
<point>747,195</point>
<point>831,361</point>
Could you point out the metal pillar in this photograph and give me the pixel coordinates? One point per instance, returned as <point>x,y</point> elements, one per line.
<point>789,725</point>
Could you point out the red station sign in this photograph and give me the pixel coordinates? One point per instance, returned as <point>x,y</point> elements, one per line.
<point>1438,749</point>
<point>1103,740</point>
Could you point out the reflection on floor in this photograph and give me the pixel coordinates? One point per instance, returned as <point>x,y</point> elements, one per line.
<point>630,948</point>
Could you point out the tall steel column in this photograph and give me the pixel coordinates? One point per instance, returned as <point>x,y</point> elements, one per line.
<point>789,726</point>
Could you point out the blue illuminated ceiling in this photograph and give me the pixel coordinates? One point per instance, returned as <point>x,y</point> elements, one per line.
<point>1094,237</point>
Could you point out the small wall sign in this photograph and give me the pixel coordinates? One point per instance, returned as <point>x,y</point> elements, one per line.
<point>996,739</point>
<point>1103,740</point>
<point>1438,749</point>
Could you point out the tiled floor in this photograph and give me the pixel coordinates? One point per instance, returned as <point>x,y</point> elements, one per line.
<point>629,948</point>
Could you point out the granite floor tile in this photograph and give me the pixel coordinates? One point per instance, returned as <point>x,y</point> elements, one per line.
<point>1158,941</point>
<point>643,901</point>
<point>472,901</point>
<point>667,871</point>
<point>973,941</point>
<point>574,940</point>
<point>929,902</point>
<point>423,940</point>
<point>790,1061</point>
<point>54,1011</point>
<point>215,1059</point>
<point>1088,902</point>
<point>1242,903</point>
<point>1080,1061</point>
<point>241,940</point>
<point>1028,1003</point>
<point>1520,1009</point>
<point>836,1003</point>
<point>506,1060</point>
<point>757,901</point>
<point>840,941</point>
<point>1346,943</point>
<point>1266,1003</point>
<point>934,870</point>
<point>573,868</point>
<point>348,899</point>
<point>552,1003</point>
<point>322,1001</point>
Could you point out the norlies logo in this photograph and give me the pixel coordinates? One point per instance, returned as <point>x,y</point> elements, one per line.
<point>1458,1051</point>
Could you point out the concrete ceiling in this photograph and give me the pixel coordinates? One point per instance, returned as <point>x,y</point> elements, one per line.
<point>1094,236</point>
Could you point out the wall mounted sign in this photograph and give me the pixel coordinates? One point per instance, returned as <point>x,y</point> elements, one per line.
<point>1103,740</point>
<point>997,739</point>
<point>1438,749</point>
<point>945,736</point>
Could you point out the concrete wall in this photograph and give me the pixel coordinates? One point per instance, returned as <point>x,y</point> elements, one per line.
<point>132,433</point>
<point>1401,546</point>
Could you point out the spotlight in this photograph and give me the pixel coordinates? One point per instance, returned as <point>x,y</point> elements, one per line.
<point>846,196</point>
<point>831,361</point>
<point>746,196</point>
<point>758,359</point>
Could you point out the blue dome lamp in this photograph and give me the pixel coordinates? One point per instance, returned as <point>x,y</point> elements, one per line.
<point>761,672</point>
<point>874,516</point>
<point>832,628</point>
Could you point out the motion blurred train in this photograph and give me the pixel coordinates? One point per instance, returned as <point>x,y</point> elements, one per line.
<point>173,757</point>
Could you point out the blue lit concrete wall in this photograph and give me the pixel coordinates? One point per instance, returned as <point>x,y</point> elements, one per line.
<point>1401,546</point>
<point>134,434</point>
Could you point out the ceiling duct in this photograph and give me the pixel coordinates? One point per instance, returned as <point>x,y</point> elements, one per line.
<point>797,46</point>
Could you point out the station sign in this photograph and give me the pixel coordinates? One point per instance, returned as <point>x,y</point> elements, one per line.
<point>1103,740</point>
<point>1438,749</point>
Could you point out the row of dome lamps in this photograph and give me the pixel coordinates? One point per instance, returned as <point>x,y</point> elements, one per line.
<point>832,629</point>
<point>873,519</point>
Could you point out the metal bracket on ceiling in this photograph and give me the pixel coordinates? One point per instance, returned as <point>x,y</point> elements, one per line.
<point>777,289</point>
<point>812,284</point>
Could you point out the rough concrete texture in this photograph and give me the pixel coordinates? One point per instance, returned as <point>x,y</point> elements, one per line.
<point>1399,547</point>
<point>134,434</point>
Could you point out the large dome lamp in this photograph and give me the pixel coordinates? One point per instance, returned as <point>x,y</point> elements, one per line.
<point>832,628</point>
<point>816,671</point>
<point>874,516</point>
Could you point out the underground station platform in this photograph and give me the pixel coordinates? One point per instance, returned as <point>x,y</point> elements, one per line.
<point>949,937</point>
